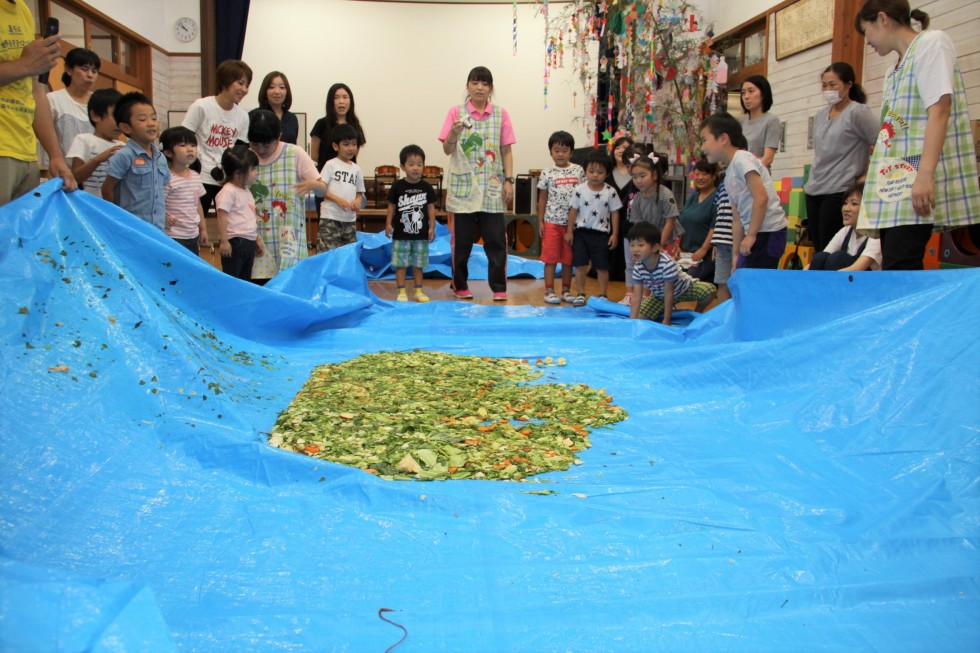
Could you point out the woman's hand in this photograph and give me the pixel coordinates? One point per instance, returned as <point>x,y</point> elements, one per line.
<point>924,195</point>
<point>508,193</point>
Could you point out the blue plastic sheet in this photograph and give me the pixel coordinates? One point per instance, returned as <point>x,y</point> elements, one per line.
<point>376,258</point>
<point>798,472</point>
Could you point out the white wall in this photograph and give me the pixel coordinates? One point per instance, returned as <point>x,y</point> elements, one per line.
<point>154,19</point>
<point>406,64</point>
<point>727,14</point>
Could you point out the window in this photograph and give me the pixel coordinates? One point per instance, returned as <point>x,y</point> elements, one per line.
<point>745,49</point>
<point>125,56</point>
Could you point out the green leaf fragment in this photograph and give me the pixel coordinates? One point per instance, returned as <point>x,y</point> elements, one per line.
<point>430,415</point>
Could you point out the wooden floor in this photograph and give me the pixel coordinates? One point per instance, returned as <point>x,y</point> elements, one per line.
<point>520,292</point>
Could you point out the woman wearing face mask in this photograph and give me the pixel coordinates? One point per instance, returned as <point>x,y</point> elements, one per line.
<point>843,133</point>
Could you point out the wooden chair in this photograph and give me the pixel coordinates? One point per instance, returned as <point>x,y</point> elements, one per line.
<point>433,176</point>
<point>384,177</point>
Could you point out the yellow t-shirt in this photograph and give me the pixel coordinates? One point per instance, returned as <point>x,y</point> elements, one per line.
<point>16,100</point>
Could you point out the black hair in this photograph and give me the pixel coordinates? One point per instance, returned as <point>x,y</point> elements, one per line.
<point>79,57</point>
<point>561,138</point>
<point>123,111</point>
<point>101,102</point>
<point>480,74</point>
<point>897,10</point>
<point>645,231</point>
<point>343,132</point>
<point>762,84</point>
<point>350,118</point>
<point>725,123</point>
<point>264,91</point>
<point>411,150</point>
<point>231,71</point>
<point>708,168</point>
<point>174,136</point>
<point>854,188</point>
<point>264,126</point>
<point>171,138</point>
<point>616,143</point>
<point>845,73</point>
<point>598,157</point>
<point>236,160</point>
<point>644,157</point>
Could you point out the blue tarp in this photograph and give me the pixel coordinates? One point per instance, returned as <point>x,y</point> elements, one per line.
<point>799,471</point>
<point>376,258</point>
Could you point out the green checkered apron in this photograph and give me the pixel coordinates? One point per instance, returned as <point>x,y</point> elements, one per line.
<point>281,215</point>
<point>481,145</point>
<point>895,160</point>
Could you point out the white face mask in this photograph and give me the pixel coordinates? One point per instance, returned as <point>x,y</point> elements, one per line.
<point>831,97</point>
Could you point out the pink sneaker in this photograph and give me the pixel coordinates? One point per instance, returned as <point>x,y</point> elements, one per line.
<point>463,294</point>
<point>500,296</point>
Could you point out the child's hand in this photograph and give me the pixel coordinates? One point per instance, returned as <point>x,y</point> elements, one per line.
<point>569,238</point>
<point>432,234</point>
<point>700,254</point>
<point>613,239</point>
<point>354,205</point>
<point>105,156</point>
<point>259,247</point>
<point>202,239</point>
<point>714,253</point>
<point>746,246</point>
<point>225,248</point>
<point>389,230</point>
<point>169,221</point>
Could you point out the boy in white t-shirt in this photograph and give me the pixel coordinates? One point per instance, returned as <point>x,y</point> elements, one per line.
<point>558,185</point>
<point>345,188</point>
<point>89,154</point>
<point>760,230</point>
<point>218,121</point>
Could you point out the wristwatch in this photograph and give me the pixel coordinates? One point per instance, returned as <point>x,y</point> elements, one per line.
<point>510,179</point>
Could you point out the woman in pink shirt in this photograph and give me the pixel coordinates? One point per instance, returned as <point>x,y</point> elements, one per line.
<point>478,137</point>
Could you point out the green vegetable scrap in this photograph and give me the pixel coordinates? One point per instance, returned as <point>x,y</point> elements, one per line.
<point>430,415</point>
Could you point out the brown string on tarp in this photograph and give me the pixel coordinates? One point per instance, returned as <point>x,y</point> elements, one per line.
<point>396,625</point>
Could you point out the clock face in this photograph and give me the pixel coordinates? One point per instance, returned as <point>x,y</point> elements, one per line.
<point>185,29</point>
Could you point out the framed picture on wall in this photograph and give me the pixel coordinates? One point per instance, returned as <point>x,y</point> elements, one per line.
<point>803,25</point>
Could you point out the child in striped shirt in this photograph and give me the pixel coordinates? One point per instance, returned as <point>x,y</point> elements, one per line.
<point>722,242</point>
<point>89,153</point>
<point>182,194</point>
<point>658,272</point>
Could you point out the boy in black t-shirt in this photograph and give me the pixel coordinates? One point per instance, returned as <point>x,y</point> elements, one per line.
<point>414,202</point>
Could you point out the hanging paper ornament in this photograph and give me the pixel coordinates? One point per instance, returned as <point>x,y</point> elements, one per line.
<point>721,72</point>
<point>514,52</point>
<point>617,24</point>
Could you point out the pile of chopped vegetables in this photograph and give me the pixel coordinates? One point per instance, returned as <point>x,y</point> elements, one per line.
<point>429,415</point>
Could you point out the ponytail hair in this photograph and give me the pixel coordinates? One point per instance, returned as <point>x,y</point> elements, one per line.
<point>236,160</point>
<point>640,154</point>
<point>845,73</point>
<point>897,10</point>
<point>79,57</point>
